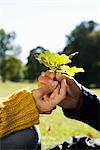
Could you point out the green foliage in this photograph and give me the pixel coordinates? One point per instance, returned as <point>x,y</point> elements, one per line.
<point>6,44</point>
<point>34,68</point>
<point>11,69</point>
<point>85,38</point>
<point>5,41</point>
<point>7,50</point>
<point>58,62</point>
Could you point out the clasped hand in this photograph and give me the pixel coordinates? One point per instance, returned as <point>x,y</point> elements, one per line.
<point>54,89</point>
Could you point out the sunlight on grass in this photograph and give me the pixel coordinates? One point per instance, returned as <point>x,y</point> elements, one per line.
<point>9,87</point>
<point>55,128</point>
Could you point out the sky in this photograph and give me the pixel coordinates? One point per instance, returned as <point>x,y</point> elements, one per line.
<point>45,22</point>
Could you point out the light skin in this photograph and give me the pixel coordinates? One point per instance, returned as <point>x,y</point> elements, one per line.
<point>46,106</point>
<point>72,98</point>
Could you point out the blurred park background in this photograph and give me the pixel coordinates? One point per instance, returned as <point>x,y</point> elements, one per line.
<point>64,26</point>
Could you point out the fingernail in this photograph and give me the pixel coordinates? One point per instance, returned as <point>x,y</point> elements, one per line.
<point>42,73</point>
<point>64,81</point>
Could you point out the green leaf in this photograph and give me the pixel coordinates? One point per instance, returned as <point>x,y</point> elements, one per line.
<point>58,63</point>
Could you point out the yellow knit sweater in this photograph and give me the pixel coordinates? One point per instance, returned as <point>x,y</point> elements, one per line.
<point>17,112</point>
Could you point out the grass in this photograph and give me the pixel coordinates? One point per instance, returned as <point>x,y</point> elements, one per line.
<point>54,128</point>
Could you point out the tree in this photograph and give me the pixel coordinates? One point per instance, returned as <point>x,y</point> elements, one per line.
<point>7,48</point>
<point>34,68</point>
<point>86,40</point>
<point>12,70</point>
<point>6,43</point>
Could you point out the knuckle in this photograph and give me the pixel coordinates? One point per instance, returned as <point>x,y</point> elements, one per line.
<point>47,72</point>
<point>54,84</point>
<point>39,78</point>
<point>36,94</point>
<point>63,95</point>
<point>71,80</point>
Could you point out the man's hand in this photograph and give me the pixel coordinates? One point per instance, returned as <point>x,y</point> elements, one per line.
<point>47,105</point>
<point>72,99</point>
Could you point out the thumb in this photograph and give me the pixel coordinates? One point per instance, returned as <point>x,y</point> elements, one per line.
<point>47,81</point>
<point>59,93</point>
<point>63,88</point>
<point>40,92</point>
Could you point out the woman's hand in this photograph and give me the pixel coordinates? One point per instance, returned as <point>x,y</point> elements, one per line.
<point>46,105</point>
<point>72,99</point>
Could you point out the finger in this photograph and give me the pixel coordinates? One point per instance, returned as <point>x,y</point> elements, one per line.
<point>60,77</point>
<point>47,112</point>
<point>48,73</point>
<point>40,92</point>
<point>44,79</point>
<point>40,84</point>
<point>51,74</point>
<point>63,89</point>
<point>70,80</point>
<point>55,92</point>
<point>61,95</point>
<point>48,81</point>
<point>46,97</point>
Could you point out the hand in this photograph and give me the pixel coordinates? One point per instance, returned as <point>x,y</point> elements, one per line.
<point>73,93</point>
<point>47,105</point>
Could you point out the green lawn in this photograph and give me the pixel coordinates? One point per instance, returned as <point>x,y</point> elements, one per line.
<point>55,128</point>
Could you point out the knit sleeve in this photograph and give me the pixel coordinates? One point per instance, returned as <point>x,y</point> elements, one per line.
<point>18,112</point>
